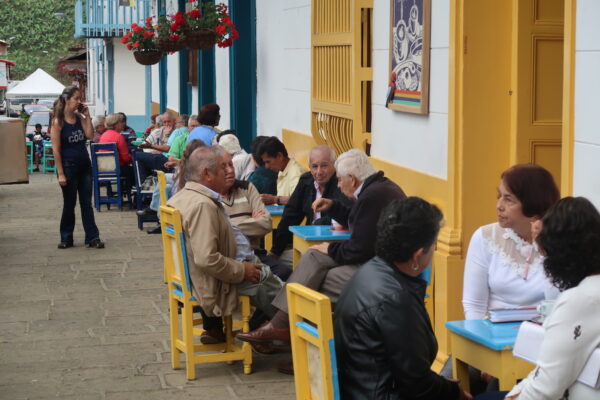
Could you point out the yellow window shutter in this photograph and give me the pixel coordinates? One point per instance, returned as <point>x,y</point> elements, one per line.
<point>341,73</point>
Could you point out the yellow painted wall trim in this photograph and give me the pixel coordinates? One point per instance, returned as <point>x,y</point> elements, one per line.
<point>298,145</point>
<point>568,109</point>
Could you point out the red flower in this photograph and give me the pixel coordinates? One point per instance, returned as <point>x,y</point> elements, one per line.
<point>179,19</point>
<point>234,34</point>
<point>175,37</point>
<point>195,14</point>
<point>137,28</point>
<point>225,43</point>
<point>226,21</point>
<point>148,34</point>
<point>173,27</point>
<point>220,30</point>
<point>149,20</point>
<point>136,45</point>
<point>124,40</point>
<point>129,46</point>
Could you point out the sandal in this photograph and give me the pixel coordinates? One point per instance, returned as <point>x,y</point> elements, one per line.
<point>96,244</point>
<point>65,245</point>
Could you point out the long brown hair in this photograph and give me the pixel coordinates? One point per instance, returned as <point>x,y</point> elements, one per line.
<point>179,175</point>
<point>61,102</point>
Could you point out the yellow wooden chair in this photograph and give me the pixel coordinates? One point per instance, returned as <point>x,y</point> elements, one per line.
<point>180,296</point>
<point>162,190</point>
<point>313,347</point>
<point>162,187</point>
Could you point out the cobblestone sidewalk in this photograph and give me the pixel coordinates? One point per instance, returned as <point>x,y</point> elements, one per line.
<point>93,324</point>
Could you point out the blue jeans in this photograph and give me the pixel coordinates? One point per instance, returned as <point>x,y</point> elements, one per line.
<point>79,181</point>
<point>155,203</point>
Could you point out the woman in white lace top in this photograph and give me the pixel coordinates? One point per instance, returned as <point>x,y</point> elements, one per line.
<point>504,266</point>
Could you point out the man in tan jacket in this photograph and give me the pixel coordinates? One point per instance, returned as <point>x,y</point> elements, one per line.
<point>222,264</point>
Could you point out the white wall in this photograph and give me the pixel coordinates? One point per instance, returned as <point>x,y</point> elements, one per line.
<point>418,142</point>
<point>222,83</point>
<point>155,84</point>
<point>222,86</point>
<point>173,82</point>
<point>129,83</point>
<point>586,174</point>
<point>283,66</point>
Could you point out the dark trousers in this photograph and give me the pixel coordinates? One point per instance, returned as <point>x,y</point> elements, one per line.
<point>127,173</point>
<point>149,162</point>
<point>79,181</point>
<point>491,396</point>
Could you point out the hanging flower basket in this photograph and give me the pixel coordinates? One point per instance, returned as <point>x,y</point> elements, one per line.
<point>168,45</point>
<point>208,25</point>
<point>148,57</point>
<point>202,39</point>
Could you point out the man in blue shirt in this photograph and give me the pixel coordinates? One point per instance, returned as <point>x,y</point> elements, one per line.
<point>208,118</point>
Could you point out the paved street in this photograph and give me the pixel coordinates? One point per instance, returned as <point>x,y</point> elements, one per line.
<point>92,324</point>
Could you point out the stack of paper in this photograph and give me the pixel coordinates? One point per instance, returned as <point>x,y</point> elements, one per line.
<point>529,344</point>
<point>524,313</point>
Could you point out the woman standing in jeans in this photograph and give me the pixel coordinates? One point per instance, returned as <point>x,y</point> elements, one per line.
<point>71,127</point>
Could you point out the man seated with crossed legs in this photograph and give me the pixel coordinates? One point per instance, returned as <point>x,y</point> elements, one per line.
<point>327,267</point>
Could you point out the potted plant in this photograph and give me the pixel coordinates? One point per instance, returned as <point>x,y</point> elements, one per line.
<point>170,32</point>
<point>140,41</point>
<point>209,24</point>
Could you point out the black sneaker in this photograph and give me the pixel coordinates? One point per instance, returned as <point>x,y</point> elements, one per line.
<point>96,244</point>
<point>146,212</point>
<point>65,245</point>
<point>155,230</point>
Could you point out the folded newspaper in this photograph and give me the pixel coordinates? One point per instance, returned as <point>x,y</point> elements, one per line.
<point>513,314</point>
<point>529,344</point>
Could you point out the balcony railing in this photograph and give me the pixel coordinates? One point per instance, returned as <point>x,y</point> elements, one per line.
<point>107,18</point>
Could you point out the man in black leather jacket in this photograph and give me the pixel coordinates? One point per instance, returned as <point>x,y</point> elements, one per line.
<point>384,340</point>
<point>321,181</point>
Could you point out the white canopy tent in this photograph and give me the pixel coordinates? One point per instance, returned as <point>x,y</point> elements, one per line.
<point>39,85</point>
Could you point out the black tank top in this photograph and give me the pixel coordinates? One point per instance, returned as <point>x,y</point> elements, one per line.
<point>72,144</point>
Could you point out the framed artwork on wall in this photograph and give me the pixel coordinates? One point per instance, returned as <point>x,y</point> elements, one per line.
<point>408,87</point>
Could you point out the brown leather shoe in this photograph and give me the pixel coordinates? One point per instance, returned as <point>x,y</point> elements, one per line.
<point>262,348</point>
<point>265,334</point>
<point>286,367</point>
<point>212,336</point>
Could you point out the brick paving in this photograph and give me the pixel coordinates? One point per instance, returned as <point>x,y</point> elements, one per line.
<point>93,324</point>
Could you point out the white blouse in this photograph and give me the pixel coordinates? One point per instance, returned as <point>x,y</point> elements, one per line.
<point>572,333</point>
<point>503,270</point>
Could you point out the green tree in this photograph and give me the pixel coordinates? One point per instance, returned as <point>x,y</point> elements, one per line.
<point>39,37</point>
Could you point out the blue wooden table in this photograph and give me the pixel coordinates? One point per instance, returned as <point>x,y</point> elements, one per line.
<point>276,213</point>
<point>487,346</point>
<point>309,235</point>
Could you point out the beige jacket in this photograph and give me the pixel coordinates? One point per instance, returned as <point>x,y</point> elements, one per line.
<point>211,248</point>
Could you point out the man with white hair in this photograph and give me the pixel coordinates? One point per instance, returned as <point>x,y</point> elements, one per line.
<point>222,263</point>
<point>156,147</point>
<point>319,182</point>
<point>327,267</point>
<point>99,127</point>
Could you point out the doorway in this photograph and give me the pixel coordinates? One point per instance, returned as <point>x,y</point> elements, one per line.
<point>537,83</point>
